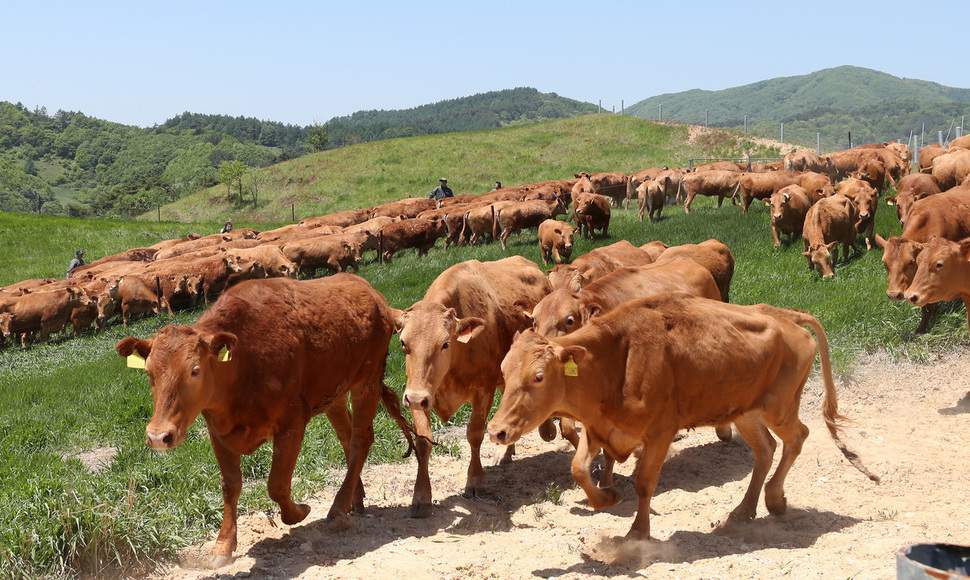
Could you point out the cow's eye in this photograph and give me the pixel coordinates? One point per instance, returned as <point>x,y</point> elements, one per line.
<point>939,265</point>
<point>196,370</point>
<point>539,376</point>
<point>444,346</point>
<point>570,320</point>
<point>405,348</point>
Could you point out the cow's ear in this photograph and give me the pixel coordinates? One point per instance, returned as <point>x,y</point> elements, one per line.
<point>469,328</point>
<point>576,282</point>
<point>575,353</point>
<point>397,318</point>
<point>524,313</point>
<point>222,341</point>
<point>965,249</point>
<point>590,311</point>
<point>881,242</point>
<point>829,246</point>
<point>127,346</point>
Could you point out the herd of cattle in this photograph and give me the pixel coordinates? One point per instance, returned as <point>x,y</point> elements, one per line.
<point>631,342</point>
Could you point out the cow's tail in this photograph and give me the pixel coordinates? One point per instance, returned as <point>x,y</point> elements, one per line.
<point>734,194</point>
<point>830,404</point>
<point>389,398</point>
<point>495,215</point>
<point>464,228</point>
<point>629,188</point>
<point>380,246</point>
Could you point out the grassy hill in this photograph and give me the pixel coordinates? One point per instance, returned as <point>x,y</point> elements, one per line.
<point>874,105</point>
<point>370,173</point>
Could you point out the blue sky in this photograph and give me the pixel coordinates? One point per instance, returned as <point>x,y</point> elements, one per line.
<point>300,62</point>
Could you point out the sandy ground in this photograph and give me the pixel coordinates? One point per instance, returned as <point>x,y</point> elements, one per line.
<point>911,425</point>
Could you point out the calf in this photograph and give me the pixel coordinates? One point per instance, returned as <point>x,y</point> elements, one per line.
<point>762,186</point>
<point>716,183</point>
<point>591,212</point>
<point>269,356</point>
<point>651,367</point>
<point>555,241</point>
<point>866,201</point>
<point>341,218</point>
<point>788,208</point>
<point>417,233</point>
<point>611,185</point>
<point>515,217</point>
<point>478,223</point>
<point>650,199</point>
<point>598,262</point>
<point>829,222</point>
<point>453,341</point>
<point>334,253</point>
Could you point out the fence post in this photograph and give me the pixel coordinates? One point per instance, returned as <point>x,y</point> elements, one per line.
<point>159,208</point>
<point>782,132</point>
<point>622,106</point>
<point>599,105</point>
<point>293,212</point>
<point>745,124</point>
<point>660,111</point>
<point>916,153</point>
<point>850,139</point>
<point>707,117</point>
<point>959,132</point>
<point>818,143</point>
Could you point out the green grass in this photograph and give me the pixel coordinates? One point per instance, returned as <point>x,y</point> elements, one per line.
<point>371,173</point>
<point>58,399</point>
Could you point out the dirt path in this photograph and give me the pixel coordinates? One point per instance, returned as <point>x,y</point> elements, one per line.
<point>911,426</point>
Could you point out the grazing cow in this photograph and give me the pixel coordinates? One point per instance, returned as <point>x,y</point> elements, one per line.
<point>34,316</point>
<point>407,208</point>
<point>817,185</point>
<point>711,254</point>
<point>341,218</point>
<point>829,222</point>
<point>650,199</point>
<point>555,241</point>
<point>902,151</point>
<point>136,296</point>
<point>945,215</point>
<point>873,172</point>
<point>911,189</point>
<point>927,154</point>
<point>808,160</point>
<point>269,356</point>
<point>213,273</point>
<point>522,215</point>
<point>188,247</point>
<point>788,208</point>
<point>634,181</point>
<point>651,367</point>
<point>715,183</point>
<point>270,258</point>
<point>591,212</point>
<point>479,222</point>
<point>453,216</point>
<point>951,168</point>
<point>371,230</point>
<point>942,273</point>
<point>612,185</point>
<point>417,233</point>
<point>598,262</point>
<point>866,201</point>
<point>335,253</point>
<point>761,186</point>
<point>454,340</point>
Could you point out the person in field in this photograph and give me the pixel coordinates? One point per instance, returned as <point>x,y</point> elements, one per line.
<point>226,228</point>
<point>77,262</point>
<point>441,192</point>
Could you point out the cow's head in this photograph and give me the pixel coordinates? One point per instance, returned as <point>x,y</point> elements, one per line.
<point>107,300</point>
<point>534,372</point>
<point>430,333</point>
<point>565,234</point>
<point>184,367</point>
<point>565,276</point>
<point>940,267</point>
<point>821,257</point>
<point>779,203</point>
<point>232,264</point>
<point>5,319</point>
<point>561,312</point>
<point>899,258</point>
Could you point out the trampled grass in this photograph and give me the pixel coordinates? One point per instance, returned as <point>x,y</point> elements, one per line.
<point>76,395</point>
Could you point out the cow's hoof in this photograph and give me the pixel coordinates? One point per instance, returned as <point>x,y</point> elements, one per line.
<point>547,431</point>
<point>338,522</point>
<point>741,514</point>
<point>607,498</point>
<point>724,432</point>
<point>295,516</point>
<point>472,492</point>
<point>421,510</point>
<point>218,561</point>
<point>777,507</point>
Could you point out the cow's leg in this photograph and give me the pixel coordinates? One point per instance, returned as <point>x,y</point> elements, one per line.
<point>762,444</point>
<point>567,428</point>
<point>555,255</point>
<point>543,253</point>
<point>606,470</point>
<point>809,258</point>
<point>475,433</point>
<point>364,400</point>
<point>689,201</point>
<point>506,232</point>
<point>286,448</point>
<point>421,502</point>
<point>793,435</point>
<point>641,210</point>
<point>926,319</point>
<point>339,416</point>
<point>720,200</point>
<point>588,448</point>
<point>775,241</point>
<point>230,476</point>
<point>745,203</point>
<point>645,480</point>
<point>724,431</point>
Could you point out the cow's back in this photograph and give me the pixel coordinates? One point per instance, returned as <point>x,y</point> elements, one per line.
<point>946,215</point>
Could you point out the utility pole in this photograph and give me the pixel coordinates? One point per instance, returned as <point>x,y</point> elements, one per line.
<point>660,111</point>
<point>599,105</point>
<point>782,132</point>
<point>622,106</point>
<point>745,124</point>
<point>706,117</point>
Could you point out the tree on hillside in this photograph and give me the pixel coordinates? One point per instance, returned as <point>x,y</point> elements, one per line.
<point>232,172</point>
<point>316,138</point>
<point>256,179</point>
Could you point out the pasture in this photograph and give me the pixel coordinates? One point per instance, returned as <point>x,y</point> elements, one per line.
<point>75,396</point>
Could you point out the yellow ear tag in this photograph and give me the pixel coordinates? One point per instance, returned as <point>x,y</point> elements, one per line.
<point>225,355</point>
<point>135,361</point>
<point>571,369</point>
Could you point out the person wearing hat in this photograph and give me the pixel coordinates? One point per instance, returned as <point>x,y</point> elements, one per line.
<point>77,262</point>
<point>227,228</point>
<point>442,191</point>
<point>498,185</point>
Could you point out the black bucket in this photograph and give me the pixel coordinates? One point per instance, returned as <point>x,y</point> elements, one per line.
<point>933,562</point>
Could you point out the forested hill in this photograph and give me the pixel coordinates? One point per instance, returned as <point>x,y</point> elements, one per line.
<point>874,105</point>
<point>489,110</point>
<point>70,163</point>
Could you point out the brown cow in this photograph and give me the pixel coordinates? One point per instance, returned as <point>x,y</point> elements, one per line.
<point>669,180</point>
<point>269,356</point>
<point>911,189</point>
<point>945,215</point>
<point>190,246</point>
<point>591,212</point>
<point>479,222</point>
<point>927,154</point>
<point>634,181</point>
<point>335,253</point>
<point>341,218</point>
<point>808,160</point>
<point>296,231</point>
<point>555,241</point>
<point>788,208</point>
<point>951,168</point>
<point>651,196</point>
<point>721,166</point>
<point>761,186</point>
<point>371,230</point>
<point>522,215</point>
<point>960,143</point>
<point>408,208</point>
<point>453,216</point>
<point>829,222</point>
<point>711,254</point>
<point>716,183</point>
<point>598,262</point>
<point>270,258</point>
<point>942,273</point>
<point>817,185</point>
<point>37,315</point>
<point>454,340</point>
<point>136,296</point>
<point>417,233</point>
<point>654,249</point>
<point>873,172</point>
<point>866,201</point>
<point>649,368</point>
<point>612,185</point>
